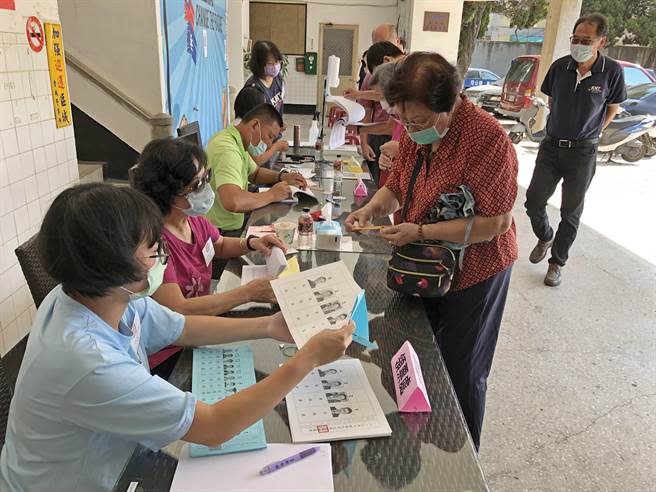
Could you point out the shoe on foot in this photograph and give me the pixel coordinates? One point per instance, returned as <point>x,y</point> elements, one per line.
<point>540,251</point>
<point>554,276</point>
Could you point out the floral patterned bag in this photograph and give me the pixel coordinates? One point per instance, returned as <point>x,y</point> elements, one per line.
<point>423,269</point>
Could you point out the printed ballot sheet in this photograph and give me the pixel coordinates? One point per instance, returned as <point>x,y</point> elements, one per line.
<point>316,299</point>
<point>334,402</point>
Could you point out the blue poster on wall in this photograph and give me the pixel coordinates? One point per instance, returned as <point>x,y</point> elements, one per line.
<point>194,49</point>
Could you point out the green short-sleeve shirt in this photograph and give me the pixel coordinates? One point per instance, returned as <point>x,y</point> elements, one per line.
<point>230,164</point>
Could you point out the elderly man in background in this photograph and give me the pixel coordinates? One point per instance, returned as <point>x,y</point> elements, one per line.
<point>370,99</point>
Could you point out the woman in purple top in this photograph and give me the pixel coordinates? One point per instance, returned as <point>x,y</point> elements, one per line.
<point>174,174</point>
<point>265,65</point>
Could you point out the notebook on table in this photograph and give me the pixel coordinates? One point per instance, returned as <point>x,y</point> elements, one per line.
<point>217,373</point>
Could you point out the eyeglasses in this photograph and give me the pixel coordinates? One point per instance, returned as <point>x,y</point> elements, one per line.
<point>583,41</point>
<point>416,126</point>
<point>162,251</point>
<point>198,184</point>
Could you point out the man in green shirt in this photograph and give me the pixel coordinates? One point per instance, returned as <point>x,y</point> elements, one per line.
<point>233,168</point>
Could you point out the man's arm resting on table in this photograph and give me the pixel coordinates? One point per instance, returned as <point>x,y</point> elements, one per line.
<point>263,176</point>
<point>234,199</point>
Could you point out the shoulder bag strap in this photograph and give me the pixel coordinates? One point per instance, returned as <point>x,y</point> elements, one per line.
<point>411,185</point>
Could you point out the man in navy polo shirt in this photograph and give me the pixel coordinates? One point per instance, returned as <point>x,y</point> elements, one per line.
<point>585,89</point>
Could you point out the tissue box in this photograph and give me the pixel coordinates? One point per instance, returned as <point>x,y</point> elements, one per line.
<point>329,235</point>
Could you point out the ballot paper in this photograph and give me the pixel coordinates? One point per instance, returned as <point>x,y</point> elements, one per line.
<point>238,472</point>
<point>316,299</point>
<point>334,402</point>
<point>275,264</point>
<point>354,113</point>
<point>296,194</point>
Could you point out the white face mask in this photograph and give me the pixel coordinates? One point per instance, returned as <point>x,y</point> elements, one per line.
<point>580,52</point>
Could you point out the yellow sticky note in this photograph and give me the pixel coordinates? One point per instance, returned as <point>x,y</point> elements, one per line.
<point>292,267</point>
<point>353,166</point>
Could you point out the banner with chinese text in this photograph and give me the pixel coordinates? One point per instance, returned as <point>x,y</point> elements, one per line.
<point>57,69</point>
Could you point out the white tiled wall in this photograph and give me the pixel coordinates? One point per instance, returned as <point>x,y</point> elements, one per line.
<point>37,160</point>
<point>299,87</point>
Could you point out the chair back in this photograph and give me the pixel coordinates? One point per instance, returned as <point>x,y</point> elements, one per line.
<point>191,132</point>
<point>9,367</point>
<point>38,280</point>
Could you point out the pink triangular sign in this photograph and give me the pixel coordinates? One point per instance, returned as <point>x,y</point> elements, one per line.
<point>411,394</point>
<point>360,188</point>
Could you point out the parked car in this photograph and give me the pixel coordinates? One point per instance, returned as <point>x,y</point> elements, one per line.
<point>641,99</point>
<point>479,76</point>
<point>486,96</point>
<point>521,82</point>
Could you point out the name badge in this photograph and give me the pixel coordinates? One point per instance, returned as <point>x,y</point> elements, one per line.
<point>136,335</point>
<point>208,251</point>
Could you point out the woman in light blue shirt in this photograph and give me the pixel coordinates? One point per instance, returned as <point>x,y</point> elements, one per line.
<point>84,396</point>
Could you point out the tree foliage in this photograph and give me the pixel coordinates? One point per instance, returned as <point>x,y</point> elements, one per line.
<point>473,15</point>
<point>631,21</point>
<point>523,14</point>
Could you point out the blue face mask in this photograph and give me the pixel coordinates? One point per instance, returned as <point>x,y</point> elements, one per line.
<point>428,135</point>
<point>259,149</point>
<point>200,202</point>
<point>155,279</point>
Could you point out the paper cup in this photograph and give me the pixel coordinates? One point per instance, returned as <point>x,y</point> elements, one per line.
<point>285,231</point>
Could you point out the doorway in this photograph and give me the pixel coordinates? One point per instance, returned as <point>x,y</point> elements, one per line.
<point>342,41</point>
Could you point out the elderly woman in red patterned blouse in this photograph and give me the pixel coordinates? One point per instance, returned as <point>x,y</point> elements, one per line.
<point>463,145</point>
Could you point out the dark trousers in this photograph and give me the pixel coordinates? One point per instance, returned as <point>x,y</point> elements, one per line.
<point>576,167</point>
<point>375,141</point>
<point>466,325</point>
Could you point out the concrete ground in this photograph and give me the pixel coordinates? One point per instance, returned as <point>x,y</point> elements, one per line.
<point>572,392</point>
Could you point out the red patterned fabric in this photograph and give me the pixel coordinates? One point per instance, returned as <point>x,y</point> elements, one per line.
<point>475,152</point>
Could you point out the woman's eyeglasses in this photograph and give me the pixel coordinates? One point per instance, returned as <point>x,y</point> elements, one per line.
<point>583,41</point>
<point>162,252</point>
<point>199,183</point>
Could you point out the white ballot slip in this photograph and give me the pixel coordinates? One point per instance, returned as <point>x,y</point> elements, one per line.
<point>275,264</point>
<point>239,472</point>
<point>335,402</point>
<point>316,299</point>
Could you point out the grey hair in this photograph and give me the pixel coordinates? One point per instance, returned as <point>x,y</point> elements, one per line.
<point>383,74</point>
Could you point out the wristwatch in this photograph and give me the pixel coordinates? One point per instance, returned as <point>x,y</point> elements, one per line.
<point>248,242</point>
<point>282,171</point>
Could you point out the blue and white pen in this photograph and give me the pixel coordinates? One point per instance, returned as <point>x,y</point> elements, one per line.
<point>277,465</point>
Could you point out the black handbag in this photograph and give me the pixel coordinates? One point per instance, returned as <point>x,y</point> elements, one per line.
<point>423,269</point>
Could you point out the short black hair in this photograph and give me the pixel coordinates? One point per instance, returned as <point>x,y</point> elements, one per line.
<point>259,54</point>
<point>165,167</point>
<point>426,78</point>
<point>600,20</point>
<point>378,51</point>
<point>264,112</point>
<point>90,233</point>
<point>247,99</point>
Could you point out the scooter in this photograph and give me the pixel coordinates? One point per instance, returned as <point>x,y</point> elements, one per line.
<point>632,137</point>
<point>532,122</point>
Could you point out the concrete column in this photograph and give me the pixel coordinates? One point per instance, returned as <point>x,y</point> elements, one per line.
<point>238,32</point>
<point>444,43</point>
<point>560,23</point>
